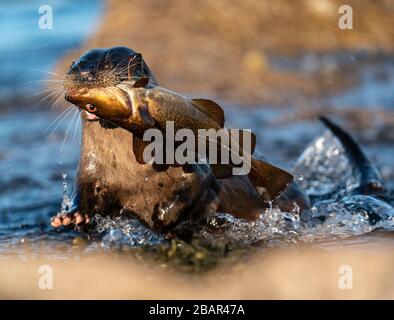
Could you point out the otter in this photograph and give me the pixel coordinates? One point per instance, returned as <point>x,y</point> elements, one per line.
<point>110,180</point>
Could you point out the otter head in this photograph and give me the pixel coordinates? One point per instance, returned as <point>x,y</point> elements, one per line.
<point>100,69</point>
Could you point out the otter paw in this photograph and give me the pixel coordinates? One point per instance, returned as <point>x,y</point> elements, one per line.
<point>69,219</point>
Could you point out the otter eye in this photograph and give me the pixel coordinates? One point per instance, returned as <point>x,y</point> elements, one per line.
<point>91,108</point>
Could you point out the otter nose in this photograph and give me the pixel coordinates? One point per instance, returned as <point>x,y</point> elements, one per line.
<point>86,75</point>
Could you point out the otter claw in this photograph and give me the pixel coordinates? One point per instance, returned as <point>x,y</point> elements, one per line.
<point>78,218</point>
<point>69,219</point>
<point>66,221</point>
<point>56,222</point>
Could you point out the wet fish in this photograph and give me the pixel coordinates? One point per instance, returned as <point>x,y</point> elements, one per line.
<point>137,109</point>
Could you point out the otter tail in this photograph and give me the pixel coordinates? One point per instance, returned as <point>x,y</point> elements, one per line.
<point>370,179</point>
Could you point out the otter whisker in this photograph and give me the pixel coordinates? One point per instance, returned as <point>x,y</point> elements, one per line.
<point>99,63</point>
<point>131,66</point>
<point>119,71</point>
<point>43,80</point>
<point>121,61</point>
<point>50,80</point>
<point>56,94</point>
<point>68,129</point>
<point>79,68</point>
<point>59,99</point>
<point>50,72</point>
<point>77,124</point>
<point>52,94</point>
<point>63,114</point>
<point>59,67</point>
<point>45,90</point>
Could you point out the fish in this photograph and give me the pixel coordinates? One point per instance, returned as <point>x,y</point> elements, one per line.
<point>137,108</point>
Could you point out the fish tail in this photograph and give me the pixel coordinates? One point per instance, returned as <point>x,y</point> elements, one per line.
<point>270,179</point>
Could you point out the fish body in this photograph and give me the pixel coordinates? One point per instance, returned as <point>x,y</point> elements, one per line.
<point>138,109</point>
<point>163,105</point>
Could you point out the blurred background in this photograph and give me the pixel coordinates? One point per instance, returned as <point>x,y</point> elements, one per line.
<point>273,65</point>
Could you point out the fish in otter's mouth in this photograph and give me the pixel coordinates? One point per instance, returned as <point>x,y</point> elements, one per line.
<point>118,95</point>
<point>106,67</point>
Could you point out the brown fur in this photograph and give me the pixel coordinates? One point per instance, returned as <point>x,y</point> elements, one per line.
<point>110,179</point>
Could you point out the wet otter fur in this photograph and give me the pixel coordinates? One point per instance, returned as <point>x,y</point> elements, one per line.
<point>111,182</point>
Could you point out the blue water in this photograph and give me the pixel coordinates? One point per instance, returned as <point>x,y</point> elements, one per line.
<point>373,75</point>
<point>33,160</point>
<point>375,89</point>
<point>26,51</point>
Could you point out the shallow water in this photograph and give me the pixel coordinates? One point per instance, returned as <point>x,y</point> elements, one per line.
<point>27,52</point>
<point>32,160</point>
<point>39,153</point>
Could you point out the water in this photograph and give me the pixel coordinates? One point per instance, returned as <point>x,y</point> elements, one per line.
<point>32,161</point>
<point>375,88</point>
<point>27,52</point>
<point>31,176</point>
<point>38,166</point>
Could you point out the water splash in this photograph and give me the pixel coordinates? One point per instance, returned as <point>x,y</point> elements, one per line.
<point>327,177</point>
<point>327,220</point>
<point>122,232</point>
<point>325,170</point>
<point>66,202</point>
<point>272,225</point>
